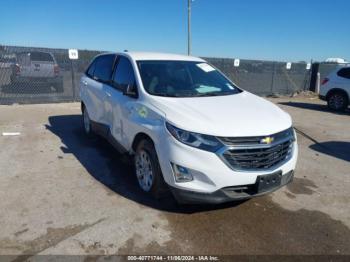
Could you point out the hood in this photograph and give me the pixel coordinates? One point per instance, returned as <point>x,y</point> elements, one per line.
<point>242,114</point>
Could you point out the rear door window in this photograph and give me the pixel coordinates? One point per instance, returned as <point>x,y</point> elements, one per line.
<point>344,72</point>
<point>104,67</point>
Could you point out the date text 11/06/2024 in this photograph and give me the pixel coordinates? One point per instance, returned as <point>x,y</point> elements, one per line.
<point>173,258</point>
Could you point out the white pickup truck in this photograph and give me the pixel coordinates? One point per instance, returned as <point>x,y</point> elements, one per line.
<point>190,129</point>
<point>37,68</point>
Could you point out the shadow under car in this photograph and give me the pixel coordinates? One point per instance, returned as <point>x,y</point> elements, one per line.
<point>112,169</point>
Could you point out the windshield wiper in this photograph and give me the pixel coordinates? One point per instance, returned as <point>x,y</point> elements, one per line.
<point>215,93</point>
<point>165,94</point>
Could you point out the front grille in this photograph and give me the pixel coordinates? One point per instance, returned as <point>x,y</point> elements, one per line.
<point>240,140</point>
<point>234,141</point>
<point>253,155</point>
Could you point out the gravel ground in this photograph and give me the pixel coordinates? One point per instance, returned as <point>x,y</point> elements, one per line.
<point>62,193</point>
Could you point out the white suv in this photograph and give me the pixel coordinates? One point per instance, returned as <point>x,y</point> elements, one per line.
<point>335,89</point>
<point>190,129</point>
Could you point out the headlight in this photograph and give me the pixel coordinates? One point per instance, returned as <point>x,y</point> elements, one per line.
<point>290,132</point>
<point>204,142</point>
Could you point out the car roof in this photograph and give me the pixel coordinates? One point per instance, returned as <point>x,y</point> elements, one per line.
<point>137,56</point>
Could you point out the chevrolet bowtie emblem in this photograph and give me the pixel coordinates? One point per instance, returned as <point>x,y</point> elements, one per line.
<point>267,140</point>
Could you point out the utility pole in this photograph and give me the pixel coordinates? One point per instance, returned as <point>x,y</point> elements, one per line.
<point>189,2</point>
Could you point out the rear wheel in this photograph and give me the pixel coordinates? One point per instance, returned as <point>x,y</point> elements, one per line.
<point>148,172</point>
<point>87,122</point>
<point>337,101</point>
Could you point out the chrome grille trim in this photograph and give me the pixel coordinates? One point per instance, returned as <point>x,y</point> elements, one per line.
<point>256,156</point>
<point>255,140</point>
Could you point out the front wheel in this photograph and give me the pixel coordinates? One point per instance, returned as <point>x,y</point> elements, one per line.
<point>148,172</point>
<point>337,101</point>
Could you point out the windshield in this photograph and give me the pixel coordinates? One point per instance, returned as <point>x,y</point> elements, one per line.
<point>184,79</point>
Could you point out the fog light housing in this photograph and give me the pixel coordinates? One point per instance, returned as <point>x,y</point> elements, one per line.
<point>181,174</point>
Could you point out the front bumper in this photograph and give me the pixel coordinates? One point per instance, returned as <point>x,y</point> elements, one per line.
<point>226,194</point>
<point>210,173</point>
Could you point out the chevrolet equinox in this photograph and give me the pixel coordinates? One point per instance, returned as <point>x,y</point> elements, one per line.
<point>190,130</point>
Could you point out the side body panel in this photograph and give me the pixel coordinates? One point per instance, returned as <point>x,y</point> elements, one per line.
<point>92,95</point>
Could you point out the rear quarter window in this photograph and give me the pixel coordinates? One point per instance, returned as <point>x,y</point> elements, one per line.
<point>344,72</point>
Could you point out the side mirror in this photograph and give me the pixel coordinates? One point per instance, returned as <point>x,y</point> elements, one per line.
<point>130,90</point>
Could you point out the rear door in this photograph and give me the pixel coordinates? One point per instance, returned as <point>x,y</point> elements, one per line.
<point>42,65</point>
<point>93,87</point>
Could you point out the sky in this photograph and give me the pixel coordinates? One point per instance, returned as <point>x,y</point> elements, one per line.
<point>282,30</point>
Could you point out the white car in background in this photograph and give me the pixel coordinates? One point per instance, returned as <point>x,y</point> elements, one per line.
<point>190,129</point>
<point>335,89</point>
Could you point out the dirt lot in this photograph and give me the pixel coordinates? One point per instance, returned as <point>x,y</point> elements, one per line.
<point>62,193</point>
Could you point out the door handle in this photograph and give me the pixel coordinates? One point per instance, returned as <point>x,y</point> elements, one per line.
<point>108,94</point>
<point>84,83</point>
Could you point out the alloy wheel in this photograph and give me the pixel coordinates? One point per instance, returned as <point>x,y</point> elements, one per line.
<point>144,170</point>
<point>336,101</point>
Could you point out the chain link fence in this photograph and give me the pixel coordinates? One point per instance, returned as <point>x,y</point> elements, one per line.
<point>45,75</point>
<point>266,78</point>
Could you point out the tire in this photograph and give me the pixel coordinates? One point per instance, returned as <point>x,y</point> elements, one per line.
<point>147,170</point>
<point>87,123</point>
<point>337,101</point>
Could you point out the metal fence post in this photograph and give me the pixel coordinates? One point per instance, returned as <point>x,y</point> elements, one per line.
<point>273,78</point>
<point>73,80</point>
<point>318,82</point>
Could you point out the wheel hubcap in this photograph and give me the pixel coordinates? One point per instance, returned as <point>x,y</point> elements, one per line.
<point>336,101</point>
<point>144,170</point>
<point>86,121</point>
